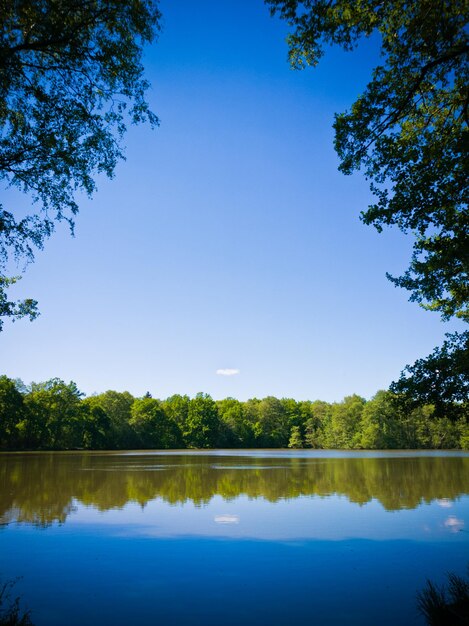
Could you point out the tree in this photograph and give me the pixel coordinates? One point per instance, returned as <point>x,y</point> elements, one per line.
<point>176,408</point>
<point>441,379</point>
<point>316,422</point>
<point>343,429</point>
<point>11,412</point>
<point>408,130</point>
<point>117,407</point>
<point>272,427</point>
<point>380,428</point>
<point>296,440</point>
<point>94,425</point>
<point>203,424</point>
<point>71,76</point>
<point>54,415</point>
<point>239,431</point>
<point>154,429</point>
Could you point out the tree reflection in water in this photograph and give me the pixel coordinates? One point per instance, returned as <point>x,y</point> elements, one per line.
<point>41,488</point>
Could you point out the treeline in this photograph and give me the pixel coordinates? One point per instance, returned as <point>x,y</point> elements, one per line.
<point>55,415</point>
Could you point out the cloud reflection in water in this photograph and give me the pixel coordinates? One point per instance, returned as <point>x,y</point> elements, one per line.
<point>226,519</point>
<point>454,524</point>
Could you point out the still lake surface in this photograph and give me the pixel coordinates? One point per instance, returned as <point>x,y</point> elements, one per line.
<point>229,537</point>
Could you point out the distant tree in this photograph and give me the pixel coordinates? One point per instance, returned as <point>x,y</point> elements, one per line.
<point>380,427</point>
<point>296,439</point>
<point>311,439</point>
<point>117,406</point>
<point>292,411</point>
<point>12,411</point>
<point>176,408</point>
<point>239,430</point>
<point>343,429</point>
<point>408,131</point>
<point>54,414</point>
<point>316,422</point>
<point>273,429</point>
<point>154,429</point>
<point>202,427</point>
<point>464,436</point>
<point>71,75</point>
<point>437,433</point>
<point>94,426</point>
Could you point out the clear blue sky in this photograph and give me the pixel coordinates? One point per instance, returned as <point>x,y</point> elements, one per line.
<point>228,239</point>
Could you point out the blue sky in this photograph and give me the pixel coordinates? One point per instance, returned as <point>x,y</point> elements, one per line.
<point>227,239</point>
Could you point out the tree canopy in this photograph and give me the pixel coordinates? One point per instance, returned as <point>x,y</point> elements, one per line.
<point>408,130</point>
<point>441,379</point>
<point>54,416</point>
<point>71,77</point>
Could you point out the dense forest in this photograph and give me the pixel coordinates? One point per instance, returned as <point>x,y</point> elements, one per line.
<point>55,415</point>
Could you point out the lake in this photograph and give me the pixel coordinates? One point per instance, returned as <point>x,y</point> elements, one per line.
<point>231,537</point>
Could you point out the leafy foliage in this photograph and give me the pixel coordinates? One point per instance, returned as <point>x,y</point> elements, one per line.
<point>11,411</point>
<point>14,310</point>
<point>296,440</point>
<point>70,77</point>
<point>153,427</point>
<point>408,130</point>
<point>441,379</point>
<point>54,415</point>
<point>202,425</point>
<point>56,411</point>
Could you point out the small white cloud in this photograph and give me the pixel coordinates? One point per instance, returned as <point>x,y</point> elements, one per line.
<point>227,372</point>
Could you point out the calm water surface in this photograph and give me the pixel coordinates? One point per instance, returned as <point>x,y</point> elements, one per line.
<point>231,537</point>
